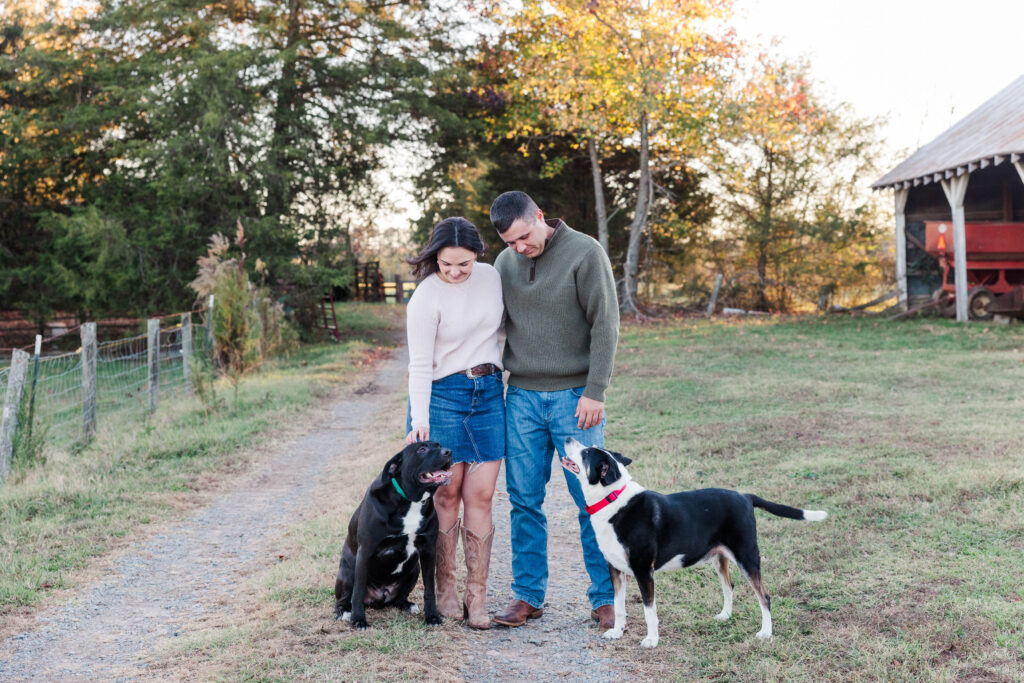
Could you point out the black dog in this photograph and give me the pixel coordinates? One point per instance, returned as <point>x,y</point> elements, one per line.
<point>641,532</point>
<point>393,527</point>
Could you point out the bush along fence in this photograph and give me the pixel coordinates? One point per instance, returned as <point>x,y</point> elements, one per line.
<point>61,397</point>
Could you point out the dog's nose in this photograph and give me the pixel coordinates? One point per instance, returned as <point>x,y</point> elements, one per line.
<point>569,440</point>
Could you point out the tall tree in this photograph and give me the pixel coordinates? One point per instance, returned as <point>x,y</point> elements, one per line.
<point>791,172</point>
<point>51,128</point>
<point>172,120</point>
<point>637,72</point>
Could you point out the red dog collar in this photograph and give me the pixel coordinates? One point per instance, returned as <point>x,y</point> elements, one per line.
<point>603,503</point>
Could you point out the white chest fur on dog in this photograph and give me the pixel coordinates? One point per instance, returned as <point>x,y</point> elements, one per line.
<point>610,547</point>
<point>607,540</point>
<point>410,525</point>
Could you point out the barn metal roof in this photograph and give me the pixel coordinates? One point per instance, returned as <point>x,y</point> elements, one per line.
<point>989,135</point>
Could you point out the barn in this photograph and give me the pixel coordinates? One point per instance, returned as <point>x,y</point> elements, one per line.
<point>960,214</point>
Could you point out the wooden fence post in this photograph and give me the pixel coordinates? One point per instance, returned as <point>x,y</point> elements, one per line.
<point>714,295</point>
<point>153,362</point>
<point>399,294</point>
<point>12,400</point>
<point>89,389</point>
<point>35,378</point>
<point>209,330</point>
<point>186,350</point>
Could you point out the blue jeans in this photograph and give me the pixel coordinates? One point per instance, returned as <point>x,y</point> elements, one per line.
<point>537,424</point>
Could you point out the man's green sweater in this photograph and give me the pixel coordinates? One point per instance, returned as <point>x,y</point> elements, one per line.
<point>562,321</point>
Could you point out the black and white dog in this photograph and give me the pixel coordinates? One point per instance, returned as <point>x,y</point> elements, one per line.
<point>394,526</point>
<point>641,532</point>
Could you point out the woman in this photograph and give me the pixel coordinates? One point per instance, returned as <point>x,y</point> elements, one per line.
<point>456,398</point>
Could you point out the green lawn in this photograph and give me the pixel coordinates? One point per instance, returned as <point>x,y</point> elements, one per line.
<point>907,433</point>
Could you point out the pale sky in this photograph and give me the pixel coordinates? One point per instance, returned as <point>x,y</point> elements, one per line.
<point>924,63</point>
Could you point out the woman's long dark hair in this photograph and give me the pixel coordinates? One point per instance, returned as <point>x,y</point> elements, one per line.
<point>451,232</point>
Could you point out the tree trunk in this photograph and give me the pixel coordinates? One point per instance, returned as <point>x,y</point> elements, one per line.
<point>602,214</point>
<point>628,304</point>
<point>765,236</point>
<point>279,186</point>
<point>762,276</point>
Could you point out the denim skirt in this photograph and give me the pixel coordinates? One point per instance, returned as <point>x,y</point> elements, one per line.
<point>467,415</point>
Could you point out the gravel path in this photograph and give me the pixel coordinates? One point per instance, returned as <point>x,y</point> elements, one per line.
<point>189,572</point>
<point>564,644</point>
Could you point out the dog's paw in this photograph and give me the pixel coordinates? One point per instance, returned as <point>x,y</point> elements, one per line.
<point>649,641</point>
<point>612,634</point>
<point>360,623</point>
<point>343,616</point>
<point>407,606</point>
<point>764,635</point>
<point>723,615</point>
<point>432,619</point>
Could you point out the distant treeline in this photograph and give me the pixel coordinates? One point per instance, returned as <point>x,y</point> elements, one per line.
<point>132,132</point>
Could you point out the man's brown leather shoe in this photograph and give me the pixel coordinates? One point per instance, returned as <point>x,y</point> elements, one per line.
<point>517,613</point>
<point>605,616</point>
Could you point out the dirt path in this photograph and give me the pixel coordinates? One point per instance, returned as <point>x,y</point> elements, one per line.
<point>161,587</point>
<point>190,571</point>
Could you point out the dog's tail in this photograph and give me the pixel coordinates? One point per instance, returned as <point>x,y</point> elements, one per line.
<point>785,510</point>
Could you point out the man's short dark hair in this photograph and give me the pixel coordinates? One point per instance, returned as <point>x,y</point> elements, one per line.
<point>510,207</point>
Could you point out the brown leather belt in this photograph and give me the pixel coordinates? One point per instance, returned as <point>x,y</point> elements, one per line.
<point>481,370</point>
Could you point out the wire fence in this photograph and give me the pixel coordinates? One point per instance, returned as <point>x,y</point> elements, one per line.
<point>130,377</point>
<point>55,396</point>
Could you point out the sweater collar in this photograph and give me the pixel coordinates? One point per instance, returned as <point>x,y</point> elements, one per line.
<point>560,228</point>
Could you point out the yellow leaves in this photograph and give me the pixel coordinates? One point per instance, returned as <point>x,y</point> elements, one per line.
<point>595,65</point>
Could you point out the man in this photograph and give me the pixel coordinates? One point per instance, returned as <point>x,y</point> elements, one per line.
<point>562,327</point>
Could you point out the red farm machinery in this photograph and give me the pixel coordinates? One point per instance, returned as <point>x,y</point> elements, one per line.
<point>995,267</point>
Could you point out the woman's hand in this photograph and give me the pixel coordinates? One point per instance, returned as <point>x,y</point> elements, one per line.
<point>418,434</point>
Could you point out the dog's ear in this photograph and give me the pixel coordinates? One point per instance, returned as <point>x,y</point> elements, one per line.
<point>394,463</point>
<point>609,469</point>
<point>595,466</point>
<point>621,458</point>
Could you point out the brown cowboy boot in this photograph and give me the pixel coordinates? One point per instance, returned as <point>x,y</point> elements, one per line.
<point>478,563</point>
<point>444,573</point>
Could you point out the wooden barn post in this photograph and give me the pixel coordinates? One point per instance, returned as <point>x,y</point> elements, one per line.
<point>901,245</point>
<point>955,189</point>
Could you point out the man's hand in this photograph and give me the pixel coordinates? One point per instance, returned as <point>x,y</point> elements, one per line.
<point>589,412</point>
<point>418,434</point>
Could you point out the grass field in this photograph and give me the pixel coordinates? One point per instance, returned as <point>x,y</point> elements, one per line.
<point>77,506</point>
<point>906,433</point>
